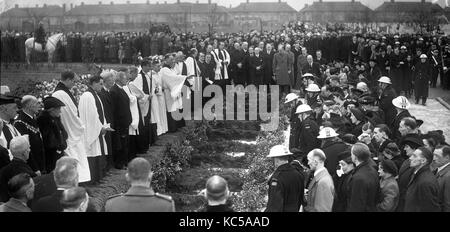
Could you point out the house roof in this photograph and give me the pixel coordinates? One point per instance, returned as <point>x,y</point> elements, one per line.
<point>264,7</point>
<point>48,11</point>
<point>409,7</point>
<point>108,9</point>
<point>335,7</point>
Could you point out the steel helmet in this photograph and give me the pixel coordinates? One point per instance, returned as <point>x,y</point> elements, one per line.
<point>290,97</point>
<point>385,79</point>
<point>327,132</point>
<point>401,102</point>
<point>278,151</point>
<point>313,88</point>
<point>423,56</point>
<point>307,75</point>
<point>303,108</point>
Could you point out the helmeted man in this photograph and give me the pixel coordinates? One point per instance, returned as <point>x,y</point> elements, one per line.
<point>385,96</point>
<point>286,184</point>
<point>422,77</point>
<point>40,35</point>
<point>308,131</point>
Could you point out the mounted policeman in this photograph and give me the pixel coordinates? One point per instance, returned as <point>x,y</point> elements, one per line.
<point>40,35</point>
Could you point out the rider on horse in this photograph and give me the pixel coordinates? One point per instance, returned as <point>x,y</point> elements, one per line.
<point>40,35</point>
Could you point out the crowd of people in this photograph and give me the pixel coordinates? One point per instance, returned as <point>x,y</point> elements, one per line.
<point>353,144</point>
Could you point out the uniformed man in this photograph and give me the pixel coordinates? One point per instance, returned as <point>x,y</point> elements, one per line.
<point>422,77</point>
<point>40,35</point>
<point>286,185</point>
<point>308,131</point>
<point>293,100</point>
<point>140,197</point>
<point>385,96</point>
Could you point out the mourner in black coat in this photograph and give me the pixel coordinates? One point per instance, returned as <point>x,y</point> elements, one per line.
<point>422,192</point>
<point>121,123</point>
<point>256,70</point>
<point>54,138</point>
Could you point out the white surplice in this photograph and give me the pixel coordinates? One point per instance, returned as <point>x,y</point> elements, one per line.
<point>172,85</point>
<point>192,67</point>
<point>133,129</point>
<point>75,131</point>
<point>159,104</point>
<point>90,118</point>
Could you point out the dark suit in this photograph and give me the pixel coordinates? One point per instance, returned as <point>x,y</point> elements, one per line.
<point>268,69</point>
<point>363,189</point>
<point>256,77</point>
<point>52,203</point>
<point>4,157</point>
<point>28,126</point>
<point>121,123</point>
<point>313,69</point>
<point>239,75</point>
<point>16,166</point>
<point>422,193</point>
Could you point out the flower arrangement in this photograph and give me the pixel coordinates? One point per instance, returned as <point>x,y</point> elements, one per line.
<point>46,88</point>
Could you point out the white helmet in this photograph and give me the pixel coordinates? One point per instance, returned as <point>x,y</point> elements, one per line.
<point>278,151</point>
<point>313,88</point>
<point>303,108</point>
<point>385,79</point>
<point>327,132</point>
<point>290,97</point>
<point>401,102</point>
<point>307,75</point>
<point>423,56</point>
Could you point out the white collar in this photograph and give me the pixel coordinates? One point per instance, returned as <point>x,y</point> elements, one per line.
<point>318,170</point>
<point>28,114</point>
<point>442,167</point>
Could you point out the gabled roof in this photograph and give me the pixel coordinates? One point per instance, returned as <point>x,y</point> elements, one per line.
<point>335,7</point>
<point>117,9</point>
<point>264,7</point>
<point>48,11</point>
<point>409,7</point>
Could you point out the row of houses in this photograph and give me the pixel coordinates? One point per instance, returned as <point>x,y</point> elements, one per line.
<point>391,11</point>
<point>186,17</point>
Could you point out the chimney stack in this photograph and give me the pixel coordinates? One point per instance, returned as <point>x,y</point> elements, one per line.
<point>148,2</point>
<point>71,6</point>
<point>82,3</point>
<point>178,1</point>
<point>209,2</point>
<point>45,5</point>
<point>64,7</point>
<point>16,6</point>
<point>423,1</point>
<point>279,1</point>
<point>248,1</point>
<point>392,1</point>
<point>100,2</point>
<point>196,1</point>
<point>165,2</point>
<point>128,2</point>
<point>112,3</point>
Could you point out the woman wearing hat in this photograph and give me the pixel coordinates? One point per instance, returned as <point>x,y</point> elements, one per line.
<point>388,186</point>
<point>409,144</point>
<point>341,179</point>
<point>54,136</point>
<point>392,152</point>
<point>358,119</point>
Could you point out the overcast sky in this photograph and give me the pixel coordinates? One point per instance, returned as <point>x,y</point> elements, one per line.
<point>296,4</point>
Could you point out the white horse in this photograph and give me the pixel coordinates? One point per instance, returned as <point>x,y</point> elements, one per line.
<point>50,46</point>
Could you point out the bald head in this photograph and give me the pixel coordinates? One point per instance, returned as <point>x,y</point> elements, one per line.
<point>216,188</point>
<point>139,169</point>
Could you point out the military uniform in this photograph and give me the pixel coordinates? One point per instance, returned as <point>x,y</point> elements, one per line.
<point>286,189</point>
<point>140,199</point>
<point>307,137</point>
